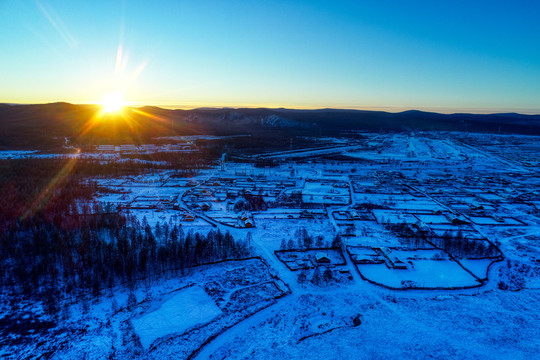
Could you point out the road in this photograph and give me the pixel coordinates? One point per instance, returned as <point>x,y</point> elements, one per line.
<point>242,328</point>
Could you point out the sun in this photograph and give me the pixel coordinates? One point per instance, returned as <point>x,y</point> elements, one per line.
<point>112,103</point>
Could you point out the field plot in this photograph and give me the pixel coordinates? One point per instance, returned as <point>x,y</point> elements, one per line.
<point>370,234</point>
<point>238,289</point>
<point>496,220</point>
<point>226,218</point>
<point>419,204</point>
<point>513,222</point>
<point>114,182</point>
<point>187,308</point>
<point>365,255</point>
<point>259,293</point>
<point>484,220</point>
<point>432,219</point>
<point>412,269</point>
<point>290,214</point>
<point>178,182</point>
<point>490,197</point>
<point>479,267</point>
<point>121,199</point>
<point>325,192</point>
<point>393,217</point>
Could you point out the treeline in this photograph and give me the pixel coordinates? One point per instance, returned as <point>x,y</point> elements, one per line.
<point>250,202</point>
<point>453,242</point>
<point>44,186</point>
<point>456,244</point>
<point>304,241</point>
<point>101,250</point>
<point>49,186</point>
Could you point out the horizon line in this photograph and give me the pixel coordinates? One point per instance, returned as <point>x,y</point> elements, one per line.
<point>390,109</point>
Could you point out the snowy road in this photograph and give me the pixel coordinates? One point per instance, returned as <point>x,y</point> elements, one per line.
<point>241,328</point>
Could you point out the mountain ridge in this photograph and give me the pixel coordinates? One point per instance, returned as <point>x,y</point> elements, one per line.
<point>30,126</point>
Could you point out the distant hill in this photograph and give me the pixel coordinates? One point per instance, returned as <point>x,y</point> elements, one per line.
<point>46,125</point>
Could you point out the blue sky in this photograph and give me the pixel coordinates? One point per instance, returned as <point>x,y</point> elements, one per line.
<point>479,56</point>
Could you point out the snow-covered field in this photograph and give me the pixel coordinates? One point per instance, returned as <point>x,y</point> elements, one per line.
<point>423,274</point>
<point>185,309</point>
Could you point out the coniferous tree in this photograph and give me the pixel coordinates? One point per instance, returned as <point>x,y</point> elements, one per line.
<point>327,275</point>
<point>316,279</point>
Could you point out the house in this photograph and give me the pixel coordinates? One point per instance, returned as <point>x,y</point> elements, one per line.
<point>189,217</point>
<point>245,216</point>
<point>400,265</point>
<point>322,258</point>
<point>306,215</point>
<point>458,221</point>
<point>106,148</point>
<point>128,148</point>
<point>149,147</point>
<point>476,206</point>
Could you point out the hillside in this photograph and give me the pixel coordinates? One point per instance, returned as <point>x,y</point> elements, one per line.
<point>46,125</point>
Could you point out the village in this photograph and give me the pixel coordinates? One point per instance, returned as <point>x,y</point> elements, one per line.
<point>423,220</point>
<point>381,218</point>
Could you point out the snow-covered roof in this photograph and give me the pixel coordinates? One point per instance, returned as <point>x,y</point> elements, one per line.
<point>321,256</point>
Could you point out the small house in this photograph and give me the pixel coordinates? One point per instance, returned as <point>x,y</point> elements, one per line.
<point>322,258</point>
<point>306,215</point>
<point>400,265</point>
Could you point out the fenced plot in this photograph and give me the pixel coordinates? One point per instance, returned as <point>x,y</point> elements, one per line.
<point>415,269</point>
<point>188,308</point>
<point>306,259</point>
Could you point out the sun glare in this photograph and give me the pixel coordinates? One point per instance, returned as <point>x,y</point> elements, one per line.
<point>112,103</point>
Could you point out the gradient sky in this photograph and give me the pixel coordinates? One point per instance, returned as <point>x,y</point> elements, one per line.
<point>478,56</point>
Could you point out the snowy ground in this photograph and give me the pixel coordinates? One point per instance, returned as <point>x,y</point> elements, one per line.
<point>440,183</point>
<point>490,325</point>
<point>187,308</point>
<point>424,273</point>
<point>177,314</point>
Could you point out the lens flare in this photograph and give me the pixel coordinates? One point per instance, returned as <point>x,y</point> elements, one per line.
<point>112,103</point>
